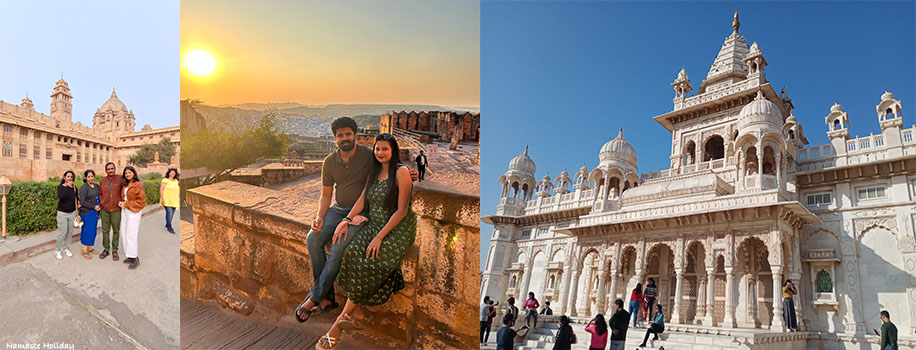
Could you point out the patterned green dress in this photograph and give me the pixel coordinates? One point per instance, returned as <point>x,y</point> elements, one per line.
<point>371,281</point>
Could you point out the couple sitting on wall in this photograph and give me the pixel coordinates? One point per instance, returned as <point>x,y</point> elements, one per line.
<point>369,227</point>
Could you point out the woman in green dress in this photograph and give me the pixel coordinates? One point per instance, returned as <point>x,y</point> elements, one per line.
<point>371,267</point>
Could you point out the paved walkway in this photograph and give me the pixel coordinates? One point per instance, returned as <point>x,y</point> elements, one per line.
<point>95,303</point>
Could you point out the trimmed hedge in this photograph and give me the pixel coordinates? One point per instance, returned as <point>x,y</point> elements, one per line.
<point>32,206</point>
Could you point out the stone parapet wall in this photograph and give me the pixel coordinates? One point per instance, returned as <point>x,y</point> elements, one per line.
<point>249,254</point>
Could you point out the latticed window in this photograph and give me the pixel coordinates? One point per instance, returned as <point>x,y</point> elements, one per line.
<point>823,283</point>
<point>48,153</point>
<point>36,152</point>
<point>23,151</point>
<point>7,149</point>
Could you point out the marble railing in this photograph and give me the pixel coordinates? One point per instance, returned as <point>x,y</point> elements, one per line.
<point>714,95</point>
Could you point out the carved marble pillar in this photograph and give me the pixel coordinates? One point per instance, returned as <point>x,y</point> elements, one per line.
<point>730,287</point>
<point>778,169</point>
<point>708,320</point>
<point>602,292</point>
<point>760,164</point>
<point>678,295</point>
<point>613,298</point>
<point>853,319</point>
<point>574,293</point>
<point>564,293</point>
<point>777,324</point>
<point>582,306</point>
<point>529,267</point>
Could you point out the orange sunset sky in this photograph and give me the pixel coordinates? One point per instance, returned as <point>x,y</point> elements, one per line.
<point>324,52</point>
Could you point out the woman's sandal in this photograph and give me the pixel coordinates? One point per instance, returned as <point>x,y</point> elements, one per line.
<point>93,251</point>
<point>307,312</point>
<point>348,323</point>
<point>331,341</point>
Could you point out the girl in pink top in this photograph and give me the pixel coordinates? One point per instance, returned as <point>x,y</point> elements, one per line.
<point>599,332</point>
<point>531,310</point>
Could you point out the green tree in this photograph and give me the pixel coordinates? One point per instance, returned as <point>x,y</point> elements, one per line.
<point>146,152</point>
<point>229,148</point>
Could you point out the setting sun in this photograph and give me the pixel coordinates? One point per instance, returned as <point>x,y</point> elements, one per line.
<point>200,63</point>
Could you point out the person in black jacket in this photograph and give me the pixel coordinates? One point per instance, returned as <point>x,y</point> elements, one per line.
<point>619,323</point>
<point>66,214</point>
<point>565,335</point>
<point>422,163</point>
<point>512,309</point>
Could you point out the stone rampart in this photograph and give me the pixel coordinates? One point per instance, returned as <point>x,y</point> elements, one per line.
<point>249,254</point>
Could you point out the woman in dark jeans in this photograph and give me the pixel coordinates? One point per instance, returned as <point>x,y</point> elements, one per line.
<point>66,214</point>
<point>565,335</point>
<point>651,292</point>
<point>657,326</point>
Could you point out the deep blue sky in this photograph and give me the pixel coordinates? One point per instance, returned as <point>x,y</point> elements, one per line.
<point>132,46</point>
<point>563,77</point>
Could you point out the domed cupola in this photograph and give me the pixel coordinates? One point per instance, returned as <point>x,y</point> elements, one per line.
<point>523,163</point>
<point>618,151</point>
<point>760,115</point>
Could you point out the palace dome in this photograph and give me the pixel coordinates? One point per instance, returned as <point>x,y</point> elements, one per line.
<point>760,112</point>
<point>836,107</point>
<point>618,149</point>
<point>523,163</point>
<point>113,104</point>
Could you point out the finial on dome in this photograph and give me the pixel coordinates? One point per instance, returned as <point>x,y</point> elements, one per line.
<point>113,94</point>
<point>759,94</point>
<point>526,149</point>
<point>620,133</point>
<point>736,23</point>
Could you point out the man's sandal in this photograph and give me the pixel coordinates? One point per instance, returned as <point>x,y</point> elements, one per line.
<point>307,312</point>
<point>321,309</point>
<point>331,341</point>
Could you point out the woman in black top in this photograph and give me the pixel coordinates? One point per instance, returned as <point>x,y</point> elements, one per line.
<point>66,214</point>
<point>564,335</point>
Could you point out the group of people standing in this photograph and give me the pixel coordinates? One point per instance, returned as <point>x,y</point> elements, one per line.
<point>116,200</point>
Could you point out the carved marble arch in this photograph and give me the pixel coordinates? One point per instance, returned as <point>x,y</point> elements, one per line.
<point>769,160</point>
<point>558,254</point>
<point>521,257</point>
<point>746,141</point>
<point>596,176</point>
<point>696,257</point>
<point>713,147</point>
<point>628,260</point>
<point>586,253</point>
<point>688,155</point>
<point>875,223</point>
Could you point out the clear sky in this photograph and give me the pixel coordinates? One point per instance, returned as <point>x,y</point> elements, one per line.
<point>132,46</point>
<point>324,52</point>
<point>563,77</point>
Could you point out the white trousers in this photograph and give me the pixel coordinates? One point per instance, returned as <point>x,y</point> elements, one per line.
<point>130,231</point>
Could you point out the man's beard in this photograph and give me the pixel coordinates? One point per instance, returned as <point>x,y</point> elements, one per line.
<point>346,147</point>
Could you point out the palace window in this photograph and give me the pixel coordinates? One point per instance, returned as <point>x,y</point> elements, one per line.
<point>65,157</point>
<point>48,154</point>
<point>50,137</point>
<point>823,283</point>
<point>526,234</point>
<point>7,128</point>
<point>542,232</point>
<point>77,156</point>
<point>7,149</point>
<point>36,152</point>
<point>37,135</point>
<point>819,199</point>
<point>827,151</point>
<point>23,131</point>
<point>814,153</point>
<point>871,192</point>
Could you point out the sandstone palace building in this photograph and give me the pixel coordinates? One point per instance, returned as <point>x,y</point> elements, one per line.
<point>746,204</point>
<point>38,146</point>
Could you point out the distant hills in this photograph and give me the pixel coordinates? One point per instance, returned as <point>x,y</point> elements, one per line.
<point>298,119</point>
<point>336,110</point>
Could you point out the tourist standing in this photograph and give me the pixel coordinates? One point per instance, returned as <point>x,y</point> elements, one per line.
<point>484,313</point>
<point>619,323</point>
<point>635,301</point>
<point>133,201</point>
<point>506,337</point>
<point>512,309</point>
<point>422,163</point>
<point>650,293</point>
<point>565,336</point>
<point>599,332</point>
<point>490,317</point>
<point>546,310</point>
<point>89,212</point>
<point>109,197</point>
<point>531,310</point>
<point>888,332</point>
<point>66,214</point>
<point>657,326</point>
<point>788,305</point>
<point>168,197</point>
